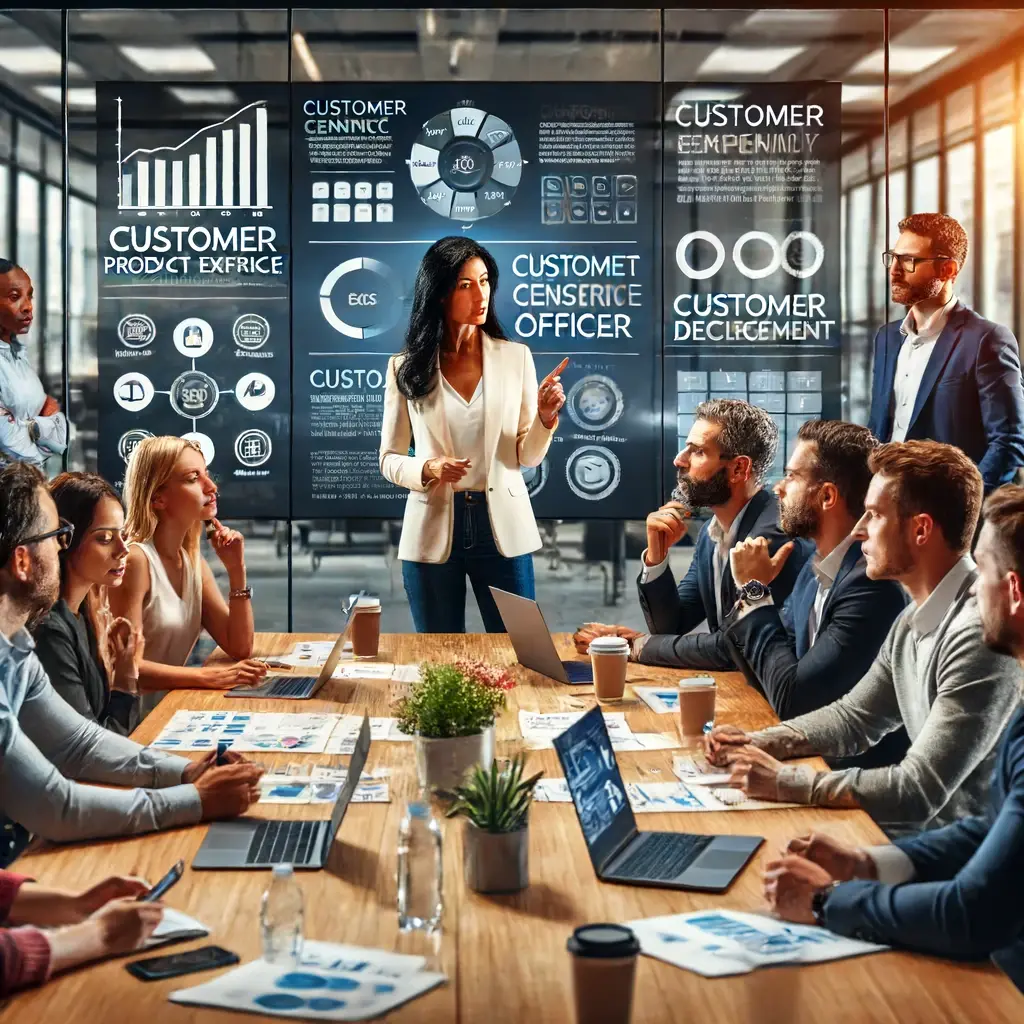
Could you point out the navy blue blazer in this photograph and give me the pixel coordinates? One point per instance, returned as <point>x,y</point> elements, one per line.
<point>966,900</point>
<point>672,611</point>
<point>772,646</point>
<point>970,395</point>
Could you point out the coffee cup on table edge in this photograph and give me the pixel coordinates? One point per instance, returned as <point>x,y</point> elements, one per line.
<point>696,707</point>
<point>364,627</point>
<point>609,656</point>
<point>603,972</point>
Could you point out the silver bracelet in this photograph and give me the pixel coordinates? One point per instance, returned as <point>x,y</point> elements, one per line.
<point>244,593</point>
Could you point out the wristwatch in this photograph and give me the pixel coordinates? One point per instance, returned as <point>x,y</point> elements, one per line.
<point>245,592</point>
<point>753,591</point>
<point>818,901</point>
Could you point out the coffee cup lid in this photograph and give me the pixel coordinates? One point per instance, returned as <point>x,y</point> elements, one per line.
<point>368,602</point>
<point>604,941</point>
<point>609,644</point>
<point>697,681</point>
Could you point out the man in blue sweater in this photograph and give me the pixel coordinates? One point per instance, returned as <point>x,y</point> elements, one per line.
<point>957,891</point>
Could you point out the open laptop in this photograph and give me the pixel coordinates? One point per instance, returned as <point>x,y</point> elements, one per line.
<point>620,852</point>
<point>300,687</point>
<point>258,843</point>
<point>531,640</point>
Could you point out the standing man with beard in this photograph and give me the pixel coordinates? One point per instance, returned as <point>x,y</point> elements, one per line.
<point>944,373</point>
<point>815,649</point>
<point>45,744</point>
<point>957,892</point>
<point>934,675</point>
<point>727,453</point>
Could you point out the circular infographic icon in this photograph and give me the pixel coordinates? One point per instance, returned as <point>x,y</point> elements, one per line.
<point>250,331</point>
<point>594,402</point>
<point>129,441</point>
<point>466,164</point>
<point>536,477</point>
<point>253,448</point>
<point>360,298</point>
<point>136,330</point>
<point>194,394</point>
<point>593,472</point>
<point>133,391</point>
<point>205,443</point>
<point>254,391</point>
<point>193,337</point>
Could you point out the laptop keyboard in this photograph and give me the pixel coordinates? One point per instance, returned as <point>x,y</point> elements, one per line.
<point>283,842</point>
<point>663,856</point>
<point>289,688</point>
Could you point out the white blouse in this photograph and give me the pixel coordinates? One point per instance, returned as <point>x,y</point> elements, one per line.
<point>466,426</point>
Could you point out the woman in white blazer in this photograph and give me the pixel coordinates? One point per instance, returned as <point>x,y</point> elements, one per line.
<point>462,414</point>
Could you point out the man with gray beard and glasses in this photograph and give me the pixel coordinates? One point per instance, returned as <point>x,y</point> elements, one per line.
<point>728,451</point>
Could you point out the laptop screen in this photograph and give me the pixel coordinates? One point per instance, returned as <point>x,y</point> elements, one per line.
<point>355,770</point>
<point>597,789</point>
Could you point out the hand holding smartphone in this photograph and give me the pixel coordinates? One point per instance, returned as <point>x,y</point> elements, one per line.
<point>165,883</point>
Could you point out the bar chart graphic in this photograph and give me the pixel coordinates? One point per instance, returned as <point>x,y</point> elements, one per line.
<point>220,167</point>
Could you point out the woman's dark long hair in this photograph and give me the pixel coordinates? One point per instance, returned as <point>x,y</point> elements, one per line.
<point>435,281</point>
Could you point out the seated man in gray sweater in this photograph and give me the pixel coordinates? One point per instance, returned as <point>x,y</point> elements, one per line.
<point>934,673</point>
<point>44,744</point>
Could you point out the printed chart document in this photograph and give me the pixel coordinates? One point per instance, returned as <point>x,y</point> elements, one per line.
<point>319,784</point>
<point>719,943</point>
<point>248,731</point>
<point>307,654</point>
<point>331,982</point>
<point>663,797</point>
<point>384,671</point>
<point>343,739</point>
<point>539,731</point>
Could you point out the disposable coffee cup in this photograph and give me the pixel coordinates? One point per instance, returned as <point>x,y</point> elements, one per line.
<point>609,656</point>
<point>696,708</point>
<point>603,972</point>
<point>365,628</point>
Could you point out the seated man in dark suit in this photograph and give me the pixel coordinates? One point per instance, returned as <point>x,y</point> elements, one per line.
<point>956,892</point>
<point>727,453</point>
<point>814,649</point>
<point>944,373</point>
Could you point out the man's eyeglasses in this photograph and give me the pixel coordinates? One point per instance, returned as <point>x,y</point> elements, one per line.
<point>908,263</point>
<point>64,533</point>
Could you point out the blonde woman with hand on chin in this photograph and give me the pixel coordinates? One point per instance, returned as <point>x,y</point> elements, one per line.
<point>169,589</point>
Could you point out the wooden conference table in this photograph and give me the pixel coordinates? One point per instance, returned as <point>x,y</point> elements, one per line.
<point>504,956</point>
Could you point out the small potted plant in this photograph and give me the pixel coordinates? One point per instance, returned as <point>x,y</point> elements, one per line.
<point>496,837</point>
<point>450,712</point>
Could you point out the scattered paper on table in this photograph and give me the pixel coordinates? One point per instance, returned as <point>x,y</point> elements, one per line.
<point>661,797</point>
<point>330,983</point>
<point>552,791</point>
<point>248,731</point>
<point>724,942</point>
<point>698,772</point>
<point>343,739</point>
<point>319,784</point>
<point>307,654</point>
<point>539,731</point>
<point>175,926</point>
<point>384,671</point>
<point>662,700</point>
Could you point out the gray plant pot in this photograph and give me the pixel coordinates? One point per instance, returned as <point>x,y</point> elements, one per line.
<point>442,764</point>
<point>495,861</point>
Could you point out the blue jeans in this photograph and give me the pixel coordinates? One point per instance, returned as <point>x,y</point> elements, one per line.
<point>437,591</point>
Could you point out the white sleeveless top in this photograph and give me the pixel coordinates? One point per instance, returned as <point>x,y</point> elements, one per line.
<point>170,624</point>
<point>466,426</point>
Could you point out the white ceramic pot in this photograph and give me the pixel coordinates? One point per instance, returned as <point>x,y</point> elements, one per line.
<point>495,861</point>
<point>442,764</point>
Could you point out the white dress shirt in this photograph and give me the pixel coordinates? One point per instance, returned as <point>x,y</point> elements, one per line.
<point>466,426</point>
<point>911,362</point>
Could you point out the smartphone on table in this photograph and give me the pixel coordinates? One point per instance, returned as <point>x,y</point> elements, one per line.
<point>165,883</point>
<point>157,968</point>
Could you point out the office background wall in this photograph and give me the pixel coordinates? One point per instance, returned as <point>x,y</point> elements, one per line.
<point>931,106</point>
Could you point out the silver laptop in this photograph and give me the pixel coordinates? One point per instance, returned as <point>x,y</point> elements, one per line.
<point>300,687</point>
<point>250,843</point>
<point>619,851</point>
<point>531,640</point>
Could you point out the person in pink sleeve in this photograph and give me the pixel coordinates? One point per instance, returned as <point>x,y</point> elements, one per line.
<point>46,931</point>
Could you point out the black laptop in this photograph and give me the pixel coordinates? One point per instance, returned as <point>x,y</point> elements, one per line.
<point>620,852</point>
<point>258,843</point>
<point>301,687</point>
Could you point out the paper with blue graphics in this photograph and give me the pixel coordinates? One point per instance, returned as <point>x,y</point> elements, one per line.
<point>331,982</point>
<point>248,731</point>
<point>719,943</point>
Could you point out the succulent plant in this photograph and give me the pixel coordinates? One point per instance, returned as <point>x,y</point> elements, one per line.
<point>496,799</point>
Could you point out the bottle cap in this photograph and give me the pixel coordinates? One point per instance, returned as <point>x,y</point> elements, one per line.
<point>367,602</point>
<point>283,870</point>
<point>603,941</point>
<point>609,645</point>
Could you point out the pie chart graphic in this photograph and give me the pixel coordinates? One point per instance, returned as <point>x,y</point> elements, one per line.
<point>466,164</point>
<point>592,472</point>
<point>360,298</point>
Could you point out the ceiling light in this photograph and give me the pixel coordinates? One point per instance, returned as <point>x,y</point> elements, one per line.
<point>903,60</point>
<point>34,60</point>
<point>306,58</point>
<point>863,94</point>
<point>169,59</point>
<point>80,96</point>
<point>198,95</point>
<point>748,60</point>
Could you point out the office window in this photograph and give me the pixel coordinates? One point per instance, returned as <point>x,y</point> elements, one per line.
<point>997,97</point>
<point>959,115</point>
<point>925,139</point>
<point>5,237</point>
<point>997,233</point>
<point>960,204</point>
<point>28,224</point>
<point>858,213</point>
<point>897,204</point>
<point>926,185</point>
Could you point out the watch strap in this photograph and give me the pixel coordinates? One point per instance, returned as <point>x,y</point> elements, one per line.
<point>818,901</point>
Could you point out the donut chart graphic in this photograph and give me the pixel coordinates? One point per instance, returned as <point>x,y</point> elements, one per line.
<point>368,297</point>
<point>466,164</point>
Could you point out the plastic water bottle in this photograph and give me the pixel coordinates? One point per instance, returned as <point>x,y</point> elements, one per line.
<point>420,869</point>
<point>282,917</point>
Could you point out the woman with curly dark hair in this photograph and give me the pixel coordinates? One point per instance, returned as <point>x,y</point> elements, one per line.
<point>467,402</point>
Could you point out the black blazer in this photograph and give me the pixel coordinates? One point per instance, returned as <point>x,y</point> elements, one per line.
<point>66,645</point>
<point>672,611</point>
